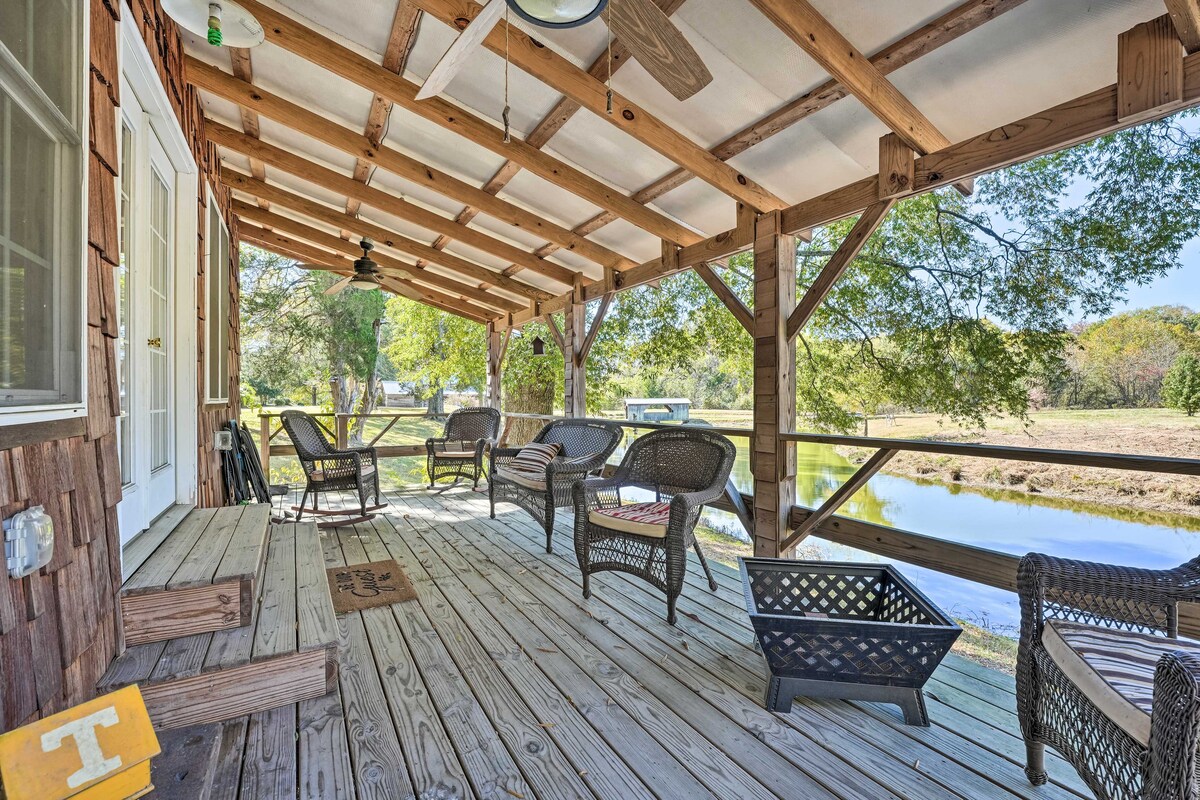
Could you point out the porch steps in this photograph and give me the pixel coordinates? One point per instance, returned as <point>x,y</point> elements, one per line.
<point>287,653</point>
<point>198,576</point>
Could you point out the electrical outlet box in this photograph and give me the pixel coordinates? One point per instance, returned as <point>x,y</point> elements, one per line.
<point>222,440</point>
<point>28,541</point>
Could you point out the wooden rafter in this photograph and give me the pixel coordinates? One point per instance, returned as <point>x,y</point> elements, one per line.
<point>239,60</point>
<point>331,133</point>
<point>307,254</point>
<point>465,270</point>
<point>400,41</point>
<point>559,73</point>
<point>945,29</point>
<point>301,167</point>
<point>1185,15</point>
<point>295,37</point>
<point>387,263</point>
<point>835,267</point>
<point>1077,120</point>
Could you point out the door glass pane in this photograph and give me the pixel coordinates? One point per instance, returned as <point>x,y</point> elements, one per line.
<point>124,428</point>
<point>42,35</point>
<point>158,274</point>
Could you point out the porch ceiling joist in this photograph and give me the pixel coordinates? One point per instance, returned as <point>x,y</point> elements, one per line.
<point>309,254</point>
<point>1078,120</point>
<point>465,270</point>
<point>615,57</point>
<point>945,29</point>
<point>309,123</point>
<point>557,72</point>
<point>288,225</point>
<point>239,61</point>
<point>334,181</point>
<point>285,32</point>
<point>401,39</point>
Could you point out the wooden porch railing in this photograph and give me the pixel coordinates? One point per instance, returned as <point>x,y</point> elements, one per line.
<point>337,428</point>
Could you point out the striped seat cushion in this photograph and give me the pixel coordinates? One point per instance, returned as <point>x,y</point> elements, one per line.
<point>534,457</point>
<point>1113,668</point>
<point>530,479</point>
<point>643,519</point>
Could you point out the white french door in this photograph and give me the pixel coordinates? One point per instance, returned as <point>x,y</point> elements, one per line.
<point>146,299</point>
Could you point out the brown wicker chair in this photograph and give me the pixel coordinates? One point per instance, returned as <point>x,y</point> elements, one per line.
<point>458,452</point>
<point>584,448</point>
<point>327,469</point>
<point>683,468</point>
<point>1102,678</point>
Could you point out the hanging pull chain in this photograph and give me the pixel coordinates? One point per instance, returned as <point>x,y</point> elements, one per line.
<point>504,114</point>
<point>609,103</point>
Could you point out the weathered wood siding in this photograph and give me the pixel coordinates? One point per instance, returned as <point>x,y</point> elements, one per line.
<point>60,627</point>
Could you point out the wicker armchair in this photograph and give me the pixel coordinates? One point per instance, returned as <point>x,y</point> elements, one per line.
<point>584,448</point>
<point>327,469</point>
<point>1102,679</point>
<point>458,452</point>
<point>683,468</point>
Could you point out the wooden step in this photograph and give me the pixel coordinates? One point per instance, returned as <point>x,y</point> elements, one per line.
<point>199,577</point>
<point>287,654</point>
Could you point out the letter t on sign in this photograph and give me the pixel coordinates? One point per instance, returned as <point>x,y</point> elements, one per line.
<point>83,731</point>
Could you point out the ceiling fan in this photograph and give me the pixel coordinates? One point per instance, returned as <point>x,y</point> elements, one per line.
<point>366,272</point>
<point>641,26</point>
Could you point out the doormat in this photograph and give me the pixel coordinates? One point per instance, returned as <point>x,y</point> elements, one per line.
<point>361,586</point>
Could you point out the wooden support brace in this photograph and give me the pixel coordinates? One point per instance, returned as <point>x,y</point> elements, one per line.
<point>867,223</point>
<point>1149,70</point>
<point>730,300</point>
<point>597,321</point>
<point>556,332</point>
<point>836,500</point>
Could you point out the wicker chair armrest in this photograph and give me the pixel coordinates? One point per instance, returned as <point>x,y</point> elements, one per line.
<point>574,467</point>
<point>1174,727</point>
<point>339,463</point>
<point>502,455</point>
<point>1051,587</point>
<point>431,444</point>
<point>592,493</point>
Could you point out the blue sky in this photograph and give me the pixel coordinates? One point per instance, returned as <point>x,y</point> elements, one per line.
<point>1180,287</point>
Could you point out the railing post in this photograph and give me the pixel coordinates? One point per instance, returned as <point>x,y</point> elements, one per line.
<point>342,430</point>
<point>264,444</point>
<point>774,462</point>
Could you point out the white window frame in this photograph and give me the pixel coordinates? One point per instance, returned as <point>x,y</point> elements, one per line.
<point>215,395</point>
<point>34,102</point>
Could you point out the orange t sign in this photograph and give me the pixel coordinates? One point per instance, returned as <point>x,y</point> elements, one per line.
<point>65,755</point>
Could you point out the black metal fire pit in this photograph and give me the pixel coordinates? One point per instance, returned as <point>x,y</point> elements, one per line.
<point>849,631</point>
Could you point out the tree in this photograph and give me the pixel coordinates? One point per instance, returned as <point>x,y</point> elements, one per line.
<point>435,350</point>
<point>1181,387</point>
<point>1128,356</point>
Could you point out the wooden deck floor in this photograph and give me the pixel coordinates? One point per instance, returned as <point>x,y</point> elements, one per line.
<point>501,681</point>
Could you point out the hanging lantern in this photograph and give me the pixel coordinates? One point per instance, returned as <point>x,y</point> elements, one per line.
<point>539,347</point>
<point>557,13</point>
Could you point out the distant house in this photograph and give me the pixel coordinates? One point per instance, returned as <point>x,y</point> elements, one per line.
<point>397,395</point>
<point>657,409</point>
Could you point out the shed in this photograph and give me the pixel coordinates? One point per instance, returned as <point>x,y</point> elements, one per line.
<point>396,395</point>
<point>639,409</point>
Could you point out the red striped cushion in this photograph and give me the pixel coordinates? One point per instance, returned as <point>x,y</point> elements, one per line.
<point>644,519</point>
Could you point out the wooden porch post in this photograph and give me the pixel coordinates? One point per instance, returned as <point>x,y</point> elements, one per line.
<point>774,461</point>
<point>497,344</point>
<point>575,379</point>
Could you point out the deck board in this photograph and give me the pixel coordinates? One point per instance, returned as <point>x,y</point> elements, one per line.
<point>501,681</point>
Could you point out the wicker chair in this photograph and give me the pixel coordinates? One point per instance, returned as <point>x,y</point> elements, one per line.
<point>684,468</point>
<point>327,469</point>
<point>1102,678</point>
<point>458,452</point>
<point>585,445</point>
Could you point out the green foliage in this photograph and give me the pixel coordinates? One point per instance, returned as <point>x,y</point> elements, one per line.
<point>1181,386</point>
<point>435,350</point>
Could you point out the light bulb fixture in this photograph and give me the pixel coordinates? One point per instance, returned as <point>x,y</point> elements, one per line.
<point>366,282</point>
<point>539,347</point>
<point>220,22</point>
<point>557,13</point>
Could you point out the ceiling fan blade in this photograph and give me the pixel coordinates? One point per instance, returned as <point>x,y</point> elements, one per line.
<point>658,46</point>
<point>339,286</point>
<point>456,57</point>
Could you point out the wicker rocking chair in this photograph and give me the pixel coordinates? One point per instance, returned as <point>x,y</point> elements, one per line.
<point>327,469</point>
<point>683,468</point>
<point>458,452</point>
<point>584,448</point>
<point>1102,678</point>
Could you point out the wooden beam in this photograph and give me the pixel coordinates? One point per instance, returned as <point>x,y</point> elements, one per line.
<point>731,301</point>
<point>324,130</point>
<point>773,461</point>
<point>836,500</point>
<point>400,41</point>
<point>387,263</point>
<point>1185,16</point>
<point>896,167</point>
<point>556,333</point>
<point>466,271</point>
<point>552,69</point>
<point>1149,71</point>
<point>309,254</point>
<point>334,181</point>
<point>574,364</point>
<point>497,344</point>
<point>850,247</point>
<point>597,322</point>
<point>295,37</point>
<point>239,60</point>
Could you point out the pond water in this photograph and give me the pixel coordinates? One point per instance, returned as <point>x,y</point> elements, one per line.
<point>1008,521</point>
